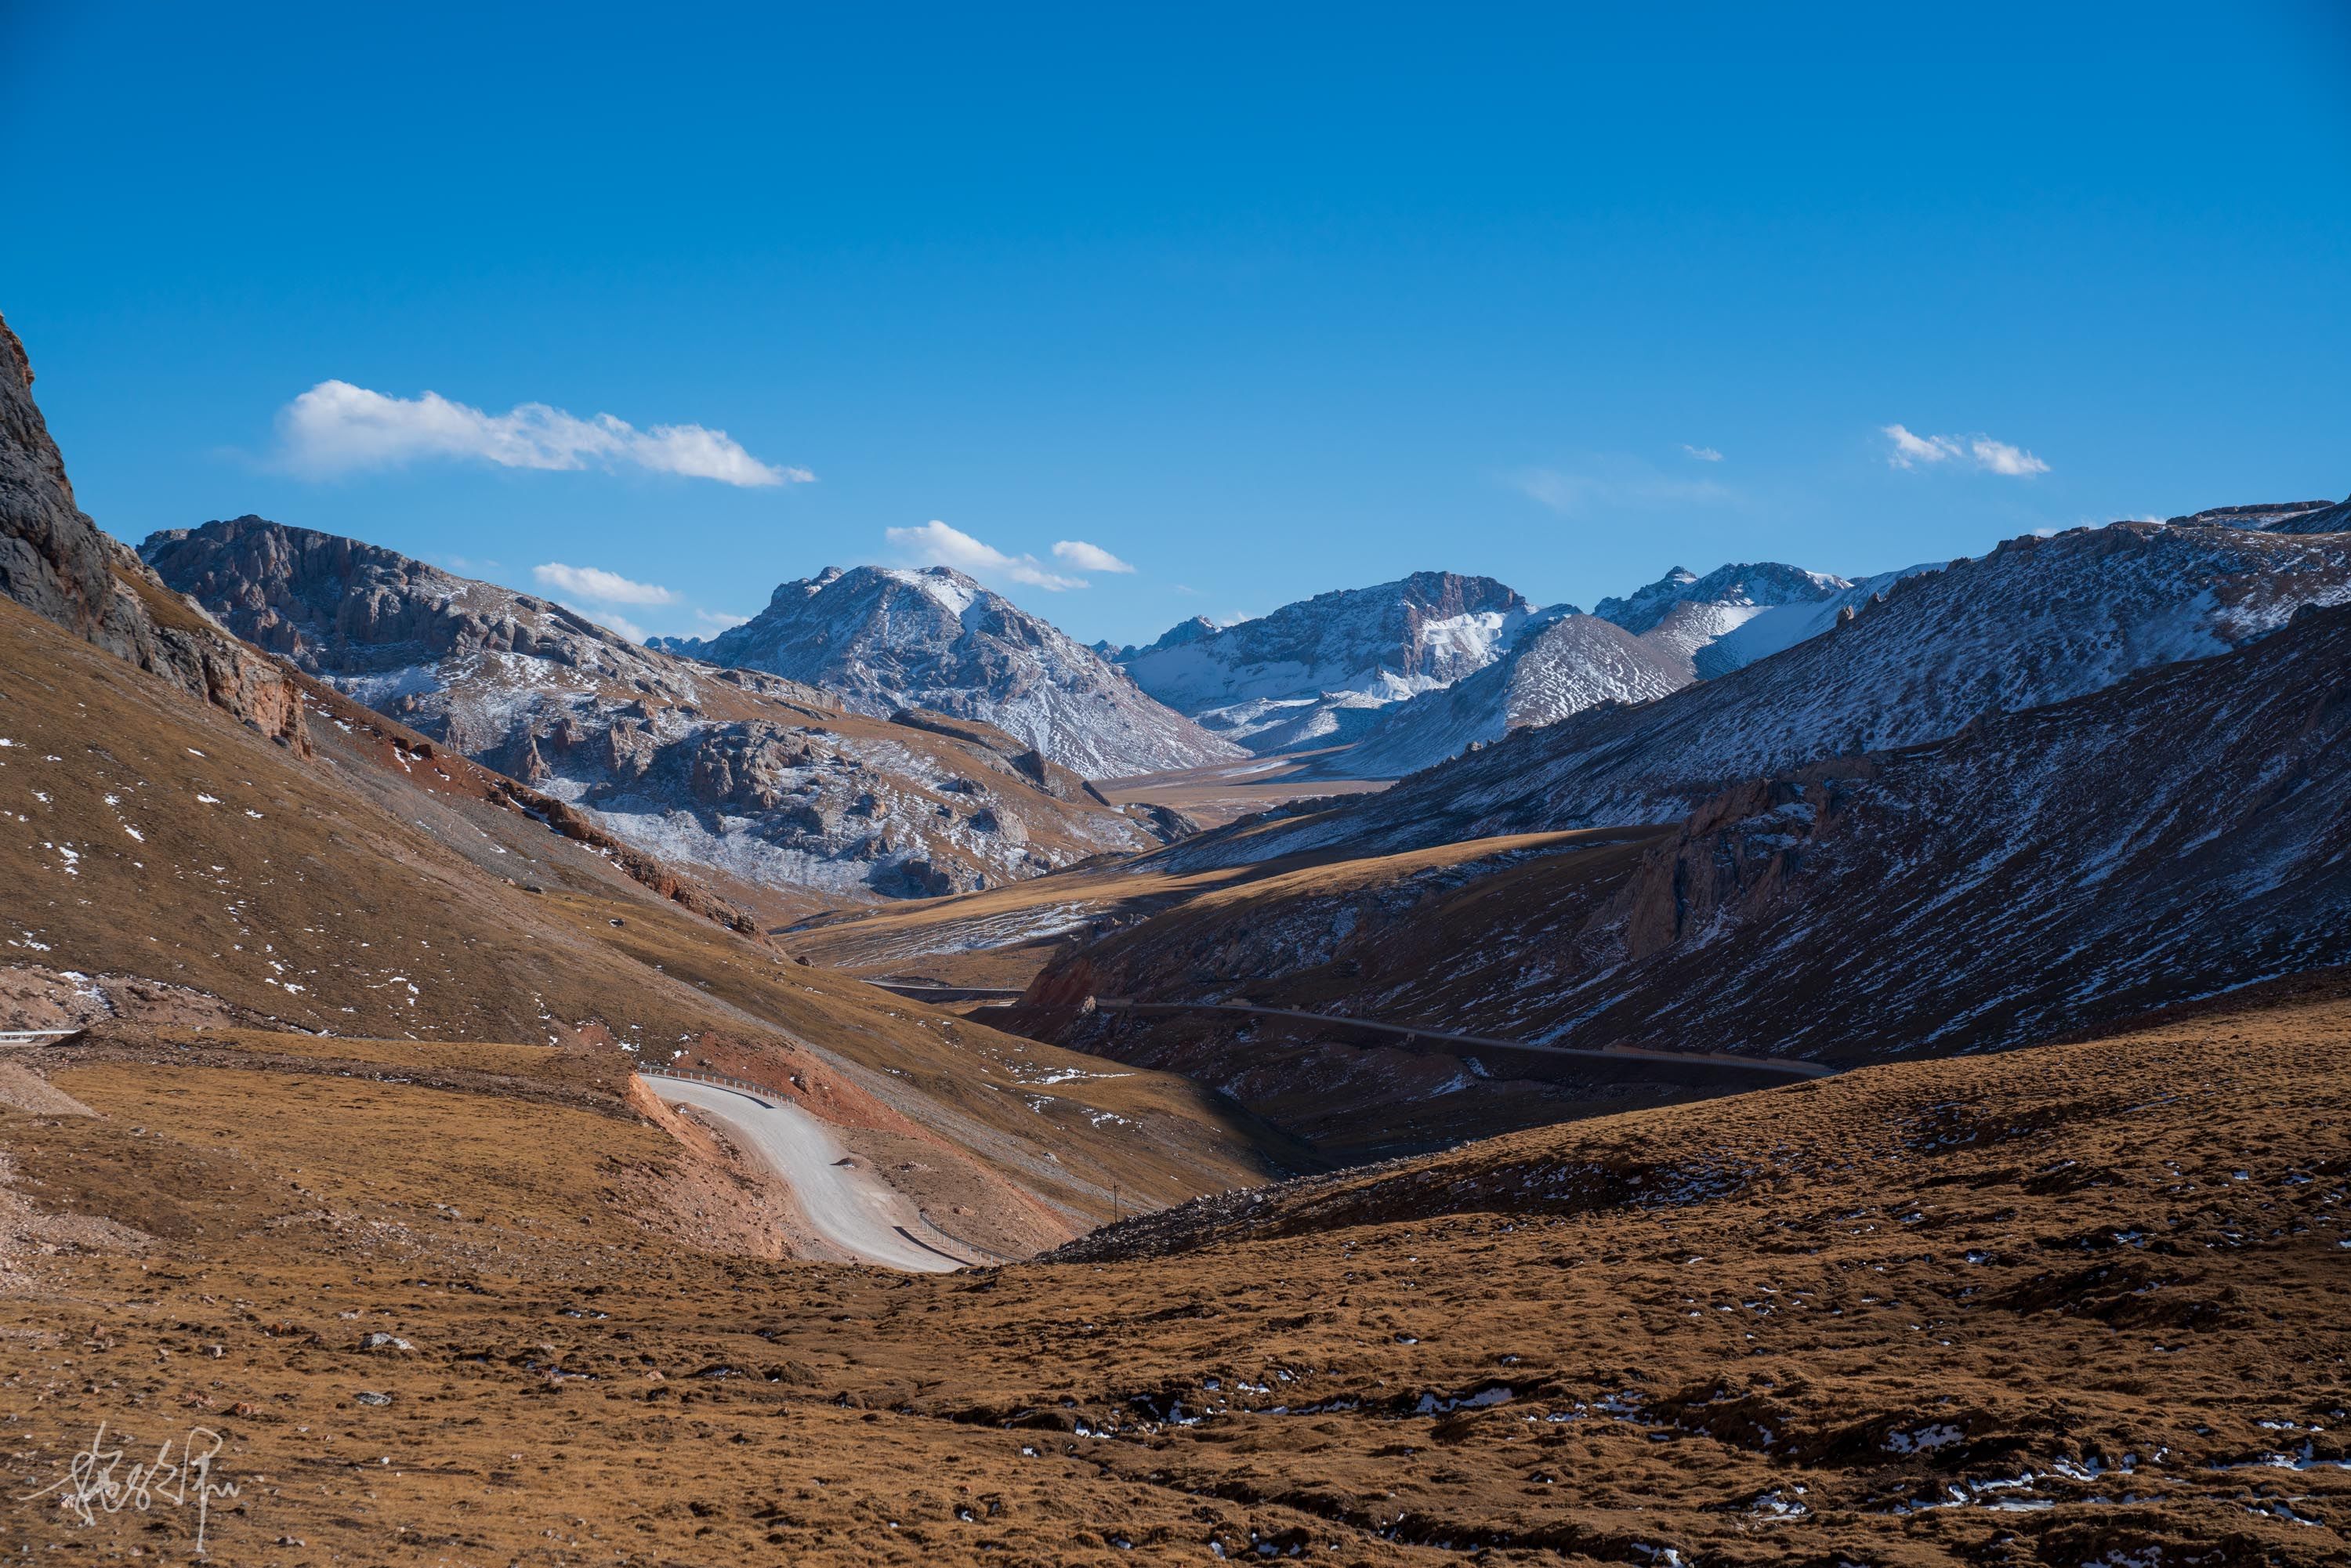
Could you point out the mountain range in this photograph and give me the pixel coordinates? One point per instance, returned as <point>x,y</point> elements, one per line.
<point>776,788</point>
<point>2037,620</point>
<point>2005,884</point>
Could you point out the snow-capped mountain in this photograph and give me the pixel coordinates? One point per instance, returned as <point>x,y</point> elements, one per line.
<point>1561,665</point>
<point>1781,626</point>
<point>882,639</point>
<point>1315,672</point>
<point>762,778</point>
<point>2037,620</point>
<point>1176,636</point>
<point>1657,640</point>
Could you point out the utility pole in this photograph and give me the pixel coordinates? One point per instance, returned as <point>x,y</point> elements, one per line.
<point>1114,1203</point>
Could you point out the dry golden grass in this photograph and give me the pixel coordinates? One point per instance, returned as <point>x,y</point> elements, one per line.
<point>1784,1327</point>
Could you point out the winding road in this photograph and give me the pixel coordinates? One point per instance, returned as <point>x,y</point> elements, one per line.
<point>1769,1066</point>
<point>846,1204</point>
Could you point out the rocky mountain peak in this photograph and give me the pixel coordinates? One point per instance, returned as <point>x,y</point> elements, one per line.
<point>1315,672</point>
<point>1747,585</point>
<point>887,638</point>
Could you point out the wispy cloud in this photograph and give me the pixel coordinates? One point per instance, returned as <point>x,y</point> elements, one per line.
<point>718,620</point>
<point>1703,453</point>
<point>1910,451</point>
<point>337,428</point>
<point>1913,451</point>
<point>1086,557</point>
<point>1615,484</point>
<point>2000,457</point>
<point>604,587</point>
<point>935,544</point>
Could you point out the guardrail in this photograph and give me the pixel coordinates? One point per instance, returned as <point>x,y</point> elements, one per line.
<point>718,1078</point>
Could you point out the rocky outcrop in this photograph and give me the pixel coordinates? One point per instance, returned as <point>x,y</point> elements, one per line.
<point>2275,518</point>
<point>56,562</point>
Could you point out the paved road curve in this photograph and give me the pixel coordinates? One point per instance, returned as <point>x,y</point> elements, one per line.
<point>847,1204</point>
<point>1769,1066</point>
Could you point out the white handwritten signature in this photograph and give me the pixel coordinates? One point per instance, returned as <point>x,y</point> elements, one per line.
<point>91,1486</point>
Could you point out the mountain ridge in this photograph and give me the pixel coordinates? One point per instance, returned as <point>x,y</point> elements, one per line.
<point>2036,621</point>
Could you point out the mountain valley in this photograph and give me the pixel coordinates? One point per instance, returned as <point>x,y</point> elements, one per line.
<point>1781,1068</point>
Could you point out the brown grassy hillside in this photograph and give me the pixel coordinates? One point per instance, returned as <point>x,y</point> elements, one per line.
<point>2070,1306</point>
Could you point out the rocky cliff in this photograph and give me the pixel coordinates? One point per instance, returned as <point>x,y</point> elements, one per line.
<point>56,562</point>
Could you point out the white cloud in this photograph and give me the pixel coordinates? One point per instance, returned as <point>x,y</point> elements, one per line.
<point>1992,456</point>
<point>1910,450</point>
<point>1086,557</point>
<point>604,587</point>
<point>718,620</point>
<point>339,428</point>
<point>2001,458</point>
<point>1703,453</point>
<point>935,544</point>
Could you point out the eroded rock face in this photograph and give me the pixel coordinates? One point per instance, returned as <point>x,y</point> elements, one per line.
<point>339,607</point>
<point>56,562</point>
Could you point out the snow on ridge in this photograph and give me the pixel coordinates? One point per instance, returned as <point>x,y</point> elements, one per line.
<point>952,593</point>
<point>888,638</point>
<point>2036,622</point>
<point>1319,658</point>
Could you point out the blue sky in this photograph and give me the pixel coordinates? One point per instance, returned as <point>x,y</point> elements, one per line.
<point>1258,301</point>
